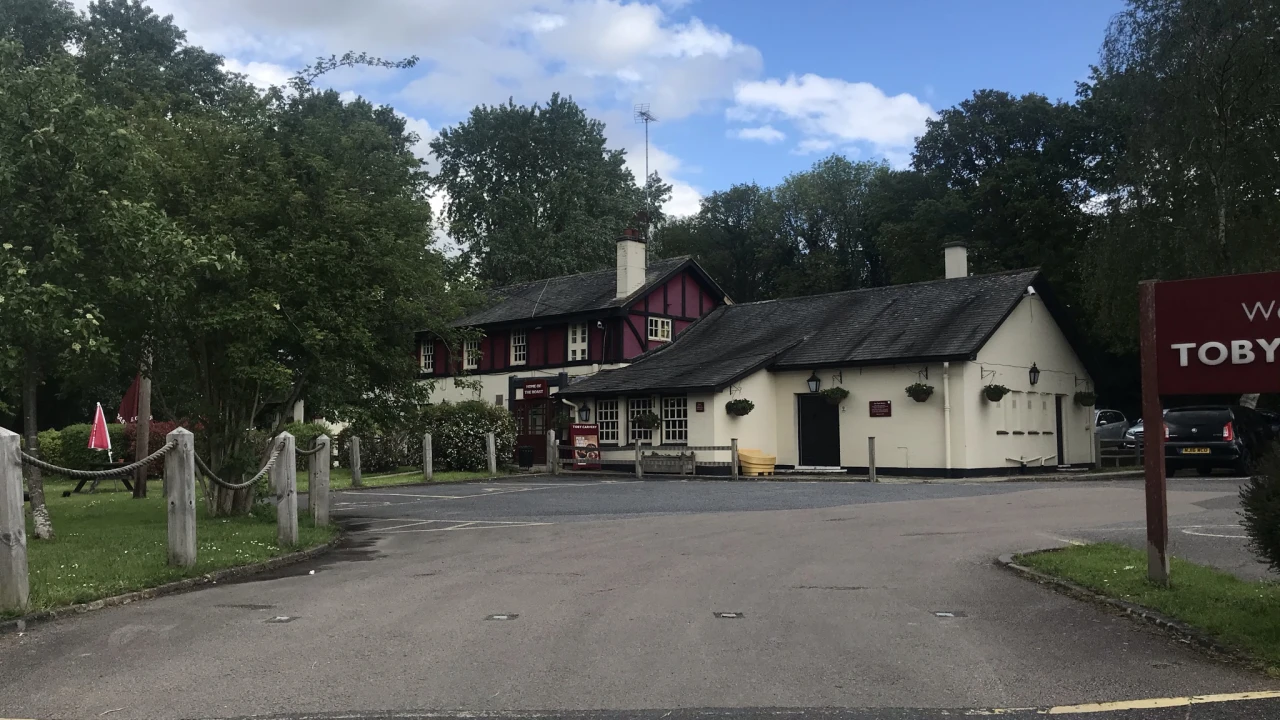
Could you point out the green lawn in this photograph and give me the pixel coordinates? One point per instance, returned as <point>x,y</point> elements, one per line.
<point>1241,614</point>
<point>108,543</point>
<point>340,478</point>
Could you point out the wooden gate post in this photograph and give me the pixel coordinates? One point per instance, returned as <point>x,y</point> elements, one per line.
<point>284,480</point>
<point>871,459</point>
<point>356,480</point>
<point>491,449</point>
<point>1097,451</point>
<point>639,469</point>
<point>14,584</point>
<point>552,452</point>
<point>318,495</point>
<point>428,461</point>
<point>733,459</point>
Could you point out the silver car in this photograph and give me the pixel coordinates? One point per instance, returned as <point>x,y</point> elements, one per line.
<point>1109,424</point>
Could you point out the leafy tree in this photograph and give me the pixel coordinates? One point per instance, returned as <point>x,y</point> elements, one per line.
<point>76,208</point>
<point>40,27</point>
<point>735,237</point>
<point>533,192</point>
<point>824,219</point>
<point>1183,142</point>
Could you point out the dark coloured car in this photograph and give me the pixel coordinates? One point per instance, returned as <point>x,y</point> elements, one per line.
<point>1214,436</point>
<point>1273,418</point>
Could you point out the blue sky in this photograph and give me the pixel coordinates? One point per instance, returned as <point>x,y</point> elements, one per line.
<point>745,90</point>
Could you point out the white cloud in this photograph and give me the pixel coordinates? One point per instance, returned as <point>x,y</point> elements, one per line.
<point>765,133</point>
<point>830,112</point>
<point>809,146</point>
<point>261,74</point>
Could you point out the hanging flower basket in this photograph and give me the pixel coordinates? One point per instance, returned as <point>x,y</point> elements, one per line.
<point>739,407</point>
<point>646,421</point>
<point>835,395</point>
<point>994,393</point>
<point>919,391</point>
<point>1086,398</point>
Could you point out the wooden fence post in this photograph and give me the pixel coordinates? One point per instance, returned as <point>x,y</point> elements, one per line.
<point>180,497</point>
<point>491,449</point>
<point>14,584</point>
<point>552,452</point>
<point>284,481</point>
<point>1097,452</point>
<point>639,469</point>
<point>318,495</point>
<point>428,459</point>
<point>871,459</point>
<point>733,459</point>
<point>356,480</point>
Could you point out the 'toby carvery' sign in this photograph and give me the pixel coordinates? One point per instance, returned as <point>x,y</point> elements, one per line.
<point>1219,335</point>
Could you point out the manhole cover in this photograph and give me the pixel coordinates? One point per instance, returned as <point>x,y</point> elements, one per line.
<point>950,614</point>
<point>281,619</point>
<point>503,616</point>
<point>729,615</point>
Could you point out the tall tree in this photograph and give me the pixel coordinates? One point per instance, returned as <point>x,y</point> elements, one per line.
<point>735,237</point>
<point>1184,144</point>
<point>74,196</point>
<point>533,191</point>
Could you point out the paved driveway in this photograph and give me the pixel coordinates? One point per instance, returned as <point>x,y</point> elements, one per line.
<point>604,595</point>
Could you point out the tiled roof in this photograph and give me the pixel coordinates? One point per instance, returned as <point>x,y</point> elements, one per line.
<point>565,295</point>
<point>938,320</point>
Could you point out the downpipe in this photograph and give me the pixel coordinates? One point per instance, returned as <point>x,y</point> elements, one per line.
<point>946,414</point>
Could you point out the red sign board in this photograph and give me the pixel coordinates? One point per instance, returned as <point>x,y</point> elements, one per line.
<point>585,438</point>
<point>535,389</point>
<point>1218,335</point>
<point>881,408</point>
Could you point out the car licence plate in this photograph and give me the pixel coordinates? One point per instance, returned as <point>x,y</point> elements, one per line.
<point>1195,451</point>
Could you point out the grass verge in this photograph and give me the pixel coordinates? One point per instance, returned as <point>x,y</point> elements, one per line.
<point>1241,614</point>
<point>108,543</point>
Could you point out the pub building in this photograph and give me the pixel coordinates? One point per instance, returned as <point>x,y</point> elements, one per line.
<point>991,372</point>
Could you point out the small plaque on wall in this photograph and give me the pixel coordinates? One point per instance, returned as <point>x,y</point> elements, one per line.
<point>881,408</point>
<point>699,406</point>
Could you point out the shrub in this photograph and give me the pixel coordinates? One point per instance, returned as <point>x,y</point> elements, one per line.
<point>51,447</point>
<point>305,434</point>
<point>1260,509</point>
<point>458,435</point>
<point>739,407</point>
<point>158,436</point>
<point>646,420</point>
<point>75,452</point>
<point>379,452</point>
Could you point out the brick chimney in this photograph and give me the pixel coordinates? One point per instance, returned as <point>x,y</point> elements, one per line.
<point>955,258</point>
<point>632,263</point>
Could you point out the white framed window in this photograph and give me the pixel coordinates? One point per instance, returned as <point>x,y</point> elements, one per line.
<point>470,354</point>
<point>635,406</point>
<point>519,347</point>
<point>607,420</point>
<point>659,329</point>
<point>675,420</point>
<point>577,341</point>
<point>427,356</point>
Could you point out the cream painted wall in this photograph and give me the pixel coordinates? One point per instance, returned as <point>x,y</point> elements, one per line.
<point>756,430</point>
<point>1029,335</point>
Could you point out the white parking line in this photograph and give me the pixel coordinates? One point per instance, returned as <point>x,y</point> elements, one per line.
<point>416,526</point>
<point>424,498</point>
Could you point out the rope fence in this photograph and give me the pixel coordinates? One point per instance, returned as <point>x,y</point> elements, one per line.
<point>312,451</point>
<point>122,471</point>
<point>271,462</point>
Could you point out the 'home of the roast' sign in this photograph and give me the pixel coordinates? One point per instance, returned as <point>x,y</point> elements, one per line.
<point>1219,335</point>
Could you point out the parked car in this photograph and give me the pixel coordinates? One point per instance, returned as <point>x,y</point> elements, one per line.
<point>1109,424</point>
<point>1273,418</point>
<point>1205,437</point>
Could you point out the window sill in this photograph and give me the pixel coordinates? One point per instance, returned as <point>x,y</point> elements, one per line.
<point>1002,432</point>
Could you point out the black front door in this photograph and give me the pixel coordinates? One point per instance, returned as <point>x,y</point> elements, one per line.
<point>531,426</point>
<point>1058,430</point>
<point>819,432</point>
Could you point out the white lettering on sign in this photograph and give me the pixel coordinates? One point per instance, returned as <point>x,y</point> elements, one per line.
<point>1217,347</point>
<point>1216,353</point>
<point>1258,309</point>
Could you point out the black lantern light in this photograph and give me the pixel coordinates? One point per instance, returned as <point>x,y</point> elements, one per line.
<point>814,382</point>
<point>1034,374</point>
<point>584,413</point>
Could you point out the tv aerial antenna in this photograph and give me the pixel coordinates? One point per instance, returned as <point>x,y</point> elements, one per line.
<point>643,115</point>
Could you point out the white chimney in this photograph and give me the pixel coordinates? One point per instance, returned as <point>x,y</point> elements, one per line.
<point>632,264</point>
<point>955,257</point>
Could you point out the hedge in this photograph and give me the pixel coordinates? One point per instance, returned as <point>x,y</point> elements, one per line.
<point>75,453</point>
<point>457,438</point>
